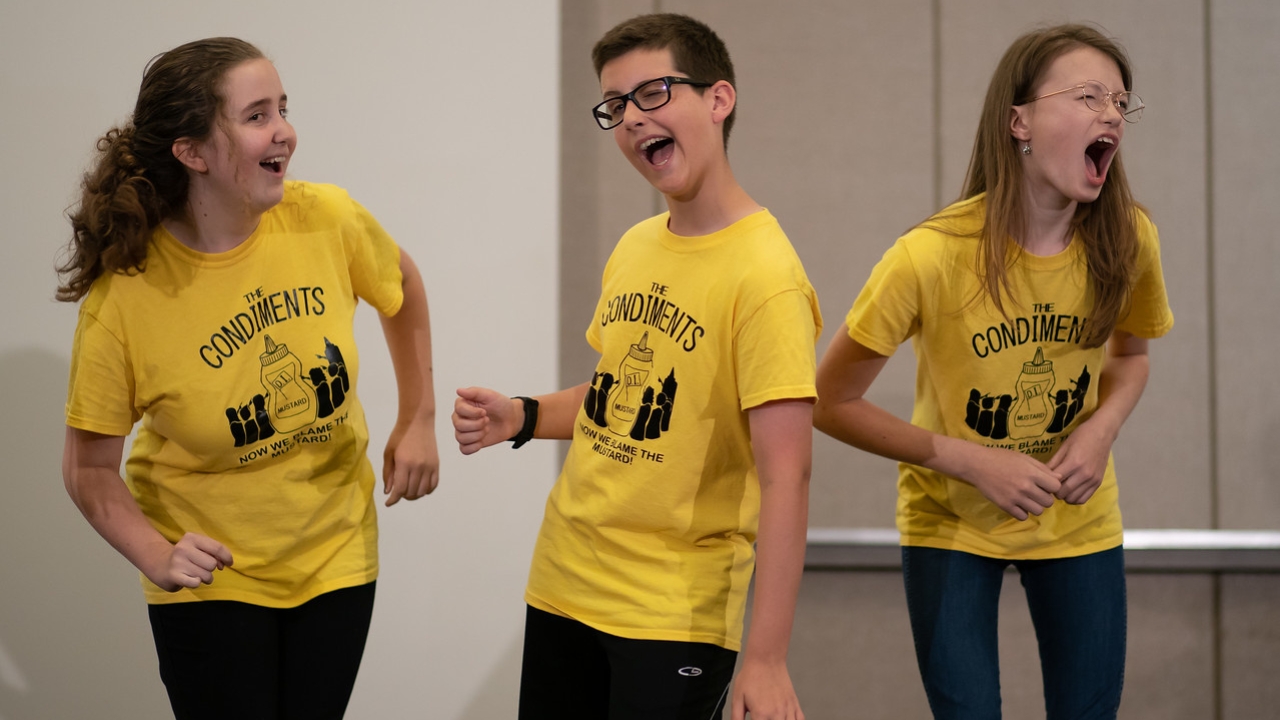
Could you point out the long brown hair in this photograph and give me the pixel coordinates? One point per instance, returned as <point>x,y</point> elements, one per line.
<point>1106,226</point>
<point>136,182</point>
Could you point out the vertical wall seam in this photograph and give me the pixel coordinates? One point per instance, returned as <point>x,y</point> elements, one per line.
<point>935,11</point>
<point>659,202</point>
<point>1217,645</point>
<point>1215,510</point>
<point>1212,340</point>
<point>563,219</point>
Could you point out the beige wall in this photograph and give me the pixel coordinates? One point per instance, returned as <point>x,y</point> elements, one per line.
<point>393,101</point>
<point>856,120</point>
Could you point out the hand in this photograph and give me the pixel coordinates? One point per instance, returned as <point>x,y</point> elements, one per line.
<point>765,691</point>
<point>1018,484</point>
<point>190,563</point>
<point>1081,462</point>
<point>411,462</point>
<point>483,417</point>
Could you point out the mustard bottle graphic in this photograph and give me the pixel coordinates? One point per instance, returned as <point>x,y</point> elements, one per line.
<point>633,374</point>
<point>291,403</point>
<point>1032,412</point>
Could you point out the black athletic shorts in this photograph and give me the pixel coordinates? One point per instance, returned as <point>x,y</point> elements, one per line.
<point>575,672</point>
<point>221,659</point>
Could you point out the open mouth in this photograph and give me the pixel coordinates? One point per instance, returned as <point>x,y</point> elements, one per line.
<point>274,165</point>
<point>1098,158</point>
<point>658,150</point>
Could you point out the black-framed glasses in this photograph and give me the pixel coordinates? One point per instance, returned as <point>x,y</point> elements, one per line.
<point>649,95</point>
<point>1096,96</point>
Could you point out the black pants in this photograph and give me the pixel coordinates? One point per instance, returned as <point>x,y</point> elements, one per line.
<point>575,672</point>
<point>221,659</point>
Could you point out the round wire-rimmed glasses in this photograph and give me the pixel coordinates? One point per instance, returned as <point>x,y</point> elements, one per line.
<point>1096,96</point>
<point>649,95</point>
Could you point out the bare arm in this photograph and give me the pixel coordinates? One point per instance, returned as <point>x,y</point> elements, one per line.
<point>1017,483</point>
<point>1082,459</point>
<point>782,441</point>
<point>411,461</point>
<point>91,472</point>
<point>484,417</point>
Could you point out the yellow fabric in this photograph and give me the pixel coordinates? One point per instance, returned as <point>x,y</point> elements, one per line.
<point>648,532</point>
<point>1023,383</point>
<point>209,351</point>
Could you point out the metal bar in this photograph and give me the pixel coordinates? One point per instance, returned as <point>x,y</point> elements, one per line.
<point>1211,551</point>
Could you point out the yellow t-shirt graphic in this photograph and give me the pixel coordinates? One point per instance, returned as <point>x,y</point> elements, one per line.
<point>1031,408</point>
<point>1021,382</point>
<point>633,402</point>
<point>241,368</point>
<point>648,532</point>
<point>293,404</point>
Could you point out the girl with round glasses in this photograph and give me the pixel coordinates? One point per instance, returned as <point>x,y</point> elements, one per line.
<point>1029,303</point>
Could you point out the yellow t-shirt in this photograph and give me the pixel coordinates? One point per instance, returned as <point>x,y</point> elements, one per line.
<point>1022,383</point>
<point>242,369</point>
<point>648,532</point>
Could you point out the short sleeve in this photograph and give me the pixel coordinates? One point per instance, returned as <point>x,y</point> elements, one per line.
<point>100,391</point>
<point>887,310</point>
<point>774,351</point>
<point>1149,315</point>
<point>373,260</point>
<point>593,327</point>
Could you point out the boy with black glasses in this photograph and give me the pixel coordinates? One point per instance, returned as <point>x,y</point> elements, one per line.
<point>694,433</point>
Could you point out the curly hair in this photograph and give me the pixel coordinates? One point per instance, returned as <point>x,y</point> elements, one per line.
<point>136,182</point>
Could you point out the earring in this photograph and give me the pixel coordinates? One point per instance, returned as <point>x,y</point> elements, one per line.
<point>1026,148</point>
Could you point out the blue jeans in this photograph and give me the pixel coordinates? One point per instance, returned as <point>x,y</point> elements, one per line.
<point>1078,609</point>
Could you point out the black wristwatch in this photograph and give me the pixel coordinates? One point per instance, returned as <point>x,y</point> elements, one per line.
<point>530,422</point>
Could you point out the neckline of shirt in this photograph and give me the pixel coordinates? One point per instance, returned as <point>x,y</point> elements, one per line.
<point>1056,261</point>
<point>172,246</point>
<point>686,243</point>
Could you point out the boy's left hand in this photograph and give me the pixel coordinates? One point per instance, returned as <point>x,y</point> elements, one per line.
<point>410,464</point>
<point>765,691</point>
<point>1081,462</point>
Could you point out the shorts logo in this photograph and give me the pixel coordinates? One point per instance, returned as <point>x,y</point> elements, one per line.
<point>690,671</point>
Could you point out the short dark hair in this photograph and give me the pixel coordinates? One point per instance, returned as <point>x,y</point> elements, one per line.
<point>696,49</point>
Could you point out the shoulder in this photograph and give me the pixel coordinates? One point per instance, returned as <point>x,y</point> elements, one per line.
<point>315,203</point>
<point>959,221</point>
<point>1148,237</point>
<point>303,192</point>
<point>102,294</point>
<point>762,232</point>
<point>1146,227</point>
<point>649,229</point>
<point>770,267</point>
<point>103,305</point>
<point>639,243</point>
<point>757,248</point>
<point>930,245</point>
<point>112,290</point>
